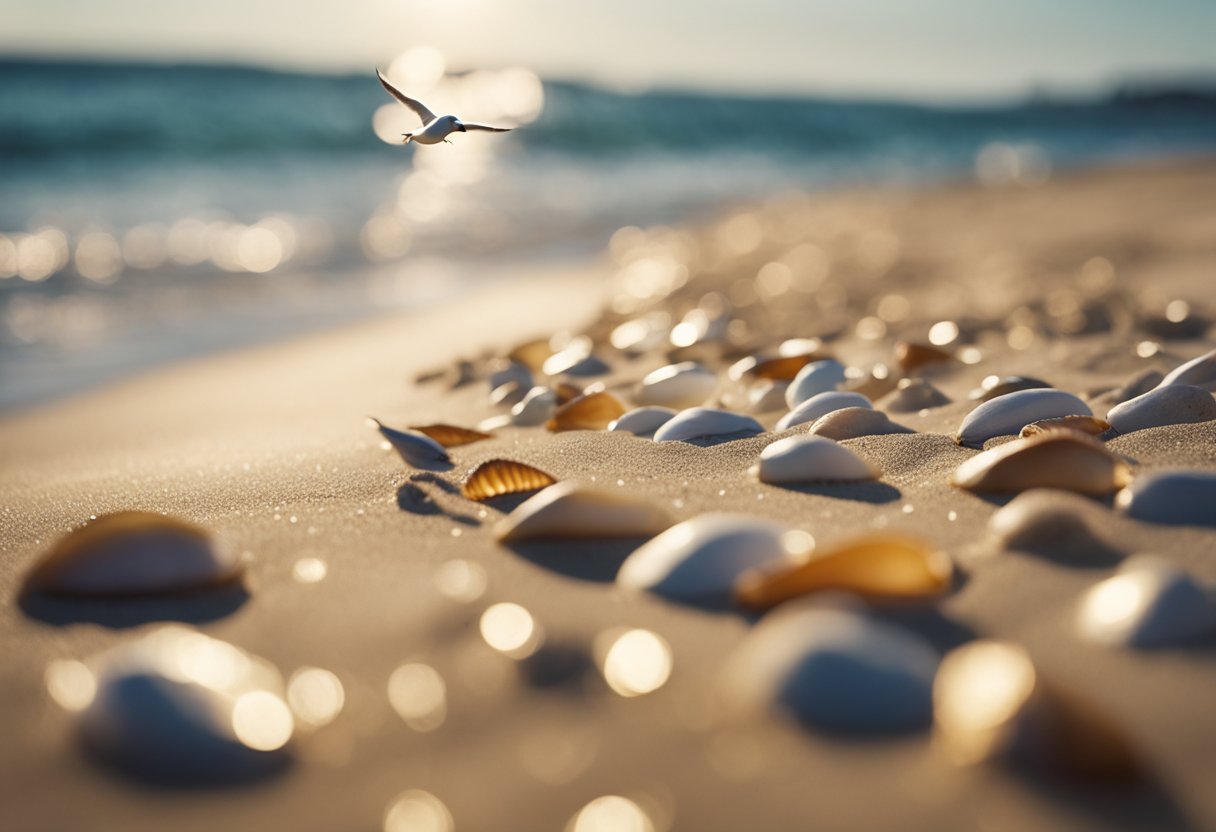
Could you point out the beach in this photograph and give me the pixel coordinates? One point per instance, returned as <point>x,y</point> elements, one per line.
<point>1084,279</point>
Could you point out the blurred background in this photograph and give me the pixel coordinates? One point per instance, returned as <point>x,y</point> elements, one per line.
<point>179,179</point>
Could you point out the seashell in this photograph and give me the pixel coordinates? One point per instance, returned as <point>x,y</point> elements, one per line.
<point>820,405</point>
<point>536,408</point>
<point>816,377</point>
<point>699,560</point>
<point>176,706</point>
<point>1169,404</point>
<point>643,421</point>
<point>811,459</point>
<point>1148,603</point>
<point>995,386</point>
<point>1137,385</point>
<point>912,394</point>
<point>503,476</point>
<point>912,357</point>
<point>1047,521</point>
<point>1007,414</point>
<point>1089,425</point>
<point>570,510</point>
<point>504,372</point>
<point>1054,459</point>
<point>566,363</point>
<point>677,385</point>
<point>1198,372</point>
<point>705,422</point>
<point>779,368</point>
<point>595,411</point>
<point>133,553</point>
<point>509,394</point>
<point>531,354</point>
<point>800,346</point>
<point>835,670</point>
<point>1177,497</point>
<point>567,392</point>
<point>851,422</point>
<point>767,396</point>
<point>880,566</point>
<point>493,423</point>
<point>451,436</point>
<point>417,449</point>
<point>990,703</point>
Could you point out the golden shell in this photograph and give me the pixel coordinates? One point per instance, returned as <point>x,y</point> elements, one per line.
<point>503,476</point>
<point>451,436</point>
<point>1064,459</point>
<point>593,411</point>
<point>1090,425</point>
<point>912,357</point>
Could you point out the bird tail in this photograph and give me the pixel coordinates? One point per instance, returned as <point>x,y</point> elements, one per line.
<point>405,137</point>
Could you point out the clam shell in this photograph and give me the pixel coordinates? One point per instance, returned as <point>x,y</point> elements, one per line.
<point>820,405</point>
<point>705,422</point>
<point>912,357</point>
<point>176,706</point>
<point>1171,404</point>
<point>1049,522</point>
<point>812,459</point>
<point>570,510</point>
<point>699,560</point>
<point>912,394</point>
<point>816,377</point>
<point>880,566</point>
<point>834,670</point>
<point>503,476</point>
<point>1177,497</point>
<point>643,421</point>
<point>594,411</point>
<point>1148,603</point>
<point>133,553</point>
<point>994,387</point>
<point>1198,372</point>
<point>1054,459</point>
<point>536,408</point>
<point>1006,415</point>
<point>417,449</point>
<point>677,385</point>
<point>451,436</point>
<point>1089,425</point>
<point>851,422</point>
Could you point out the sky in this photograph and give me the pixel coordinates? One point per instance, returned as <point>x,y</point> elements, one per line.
<point>923,49</point>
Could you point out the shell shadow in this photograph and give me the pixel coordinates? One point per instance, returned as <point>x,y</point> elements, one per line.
<point>120,613</point>
<point>558,667</point>
<point>862,492</point>
<point>597,561</point>
<point>416,500</point>
<point>939,629</point>
<point>1091,554</point>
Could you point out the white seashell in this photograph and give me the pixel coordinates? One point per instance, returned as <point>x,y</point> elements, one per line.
<point>767,396</point>
<point>178,706</point>
<point>820,405</point>
<point>699,560</point>
<point>494,423</point>
<point>536,408</point>
<point>912,394</point>
<point>1178,497</point>
<point>851,422</point>
<point>570,510</point>
<point>816,377</point>
<point>643,421</point>
<point>677,385</point>
<point>417,449</point>
<point>812,459</point>
<point>506,372</point>
<point>1148,603</point>
<point>1006,415</point>
<point>575,360</point>
<point>704,422</point>
<point>834,670</point>
<point>1172,404</point>
<point>1198,372</point>
<point>506,395</point>
<point>1048,521</point>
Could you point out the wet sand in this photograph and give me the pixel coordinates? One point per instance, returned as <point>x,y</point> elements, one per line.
<point>270,449</point>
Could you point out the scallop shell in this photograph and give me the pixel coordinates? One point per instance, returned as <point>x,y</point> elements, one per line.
<point>677,385</point>
<point>1148,603</point>
<point>912,394</point>
<point>417,449</point>
<point>816,377</point>
<point>594,411</point>
<point>994,387</point>
<point>811,459</point>
<point>834,670</point>
<point>1177,497</point>
<point>643,421</point>
<point>133,553</point>
<point>503,476</point>
<point>912,357</point>
<point>820,405</point>
<point>1089,425</point>
<point>536,408</point>
<point>1007,414</point>
<point>881,566</point>
<point>1171,404</point>
<point>176,706</point>
<point>699,560</point>
<point>851,422</point>
<point>1049,522</point>
<point>570,510</point>
<point>989,703</point>
<point>705,422</point>
<point>1198,372</point>
<point>1054,459</point>
<point>451,436</point>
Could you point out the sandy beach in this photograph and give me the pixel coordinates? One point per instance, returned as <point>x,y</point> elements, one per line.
<point>1084,281</point>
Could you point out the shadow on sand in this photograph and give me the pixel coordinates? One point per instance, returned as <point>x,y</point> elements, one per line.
<point>863,492</point>
<point>587,560</point>
<point>120,613</point>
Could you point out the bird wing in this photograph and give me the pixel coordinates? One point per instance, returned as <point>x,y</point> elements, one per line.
<point>414,104</point>
<point>472,125</point>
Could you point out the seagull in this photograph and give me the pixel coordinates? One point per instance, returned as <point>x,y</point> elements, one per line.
<point>435,129</point>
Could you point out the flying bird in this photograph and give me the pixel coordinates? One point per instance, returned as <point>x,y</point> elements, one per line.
<point>435,129</point>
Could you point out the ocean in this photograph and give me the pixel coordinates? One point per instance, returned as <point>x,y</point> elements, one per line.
<point>155,213</point>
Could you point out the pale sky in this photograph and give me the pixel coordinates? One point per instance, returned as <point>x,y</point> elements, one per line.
<point>935,49</point>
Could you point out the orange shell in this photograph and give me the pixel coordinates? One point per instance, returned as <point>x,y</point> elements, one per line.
<point>503,476</point>
<point>590,412</point>
<point>451,436</point>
